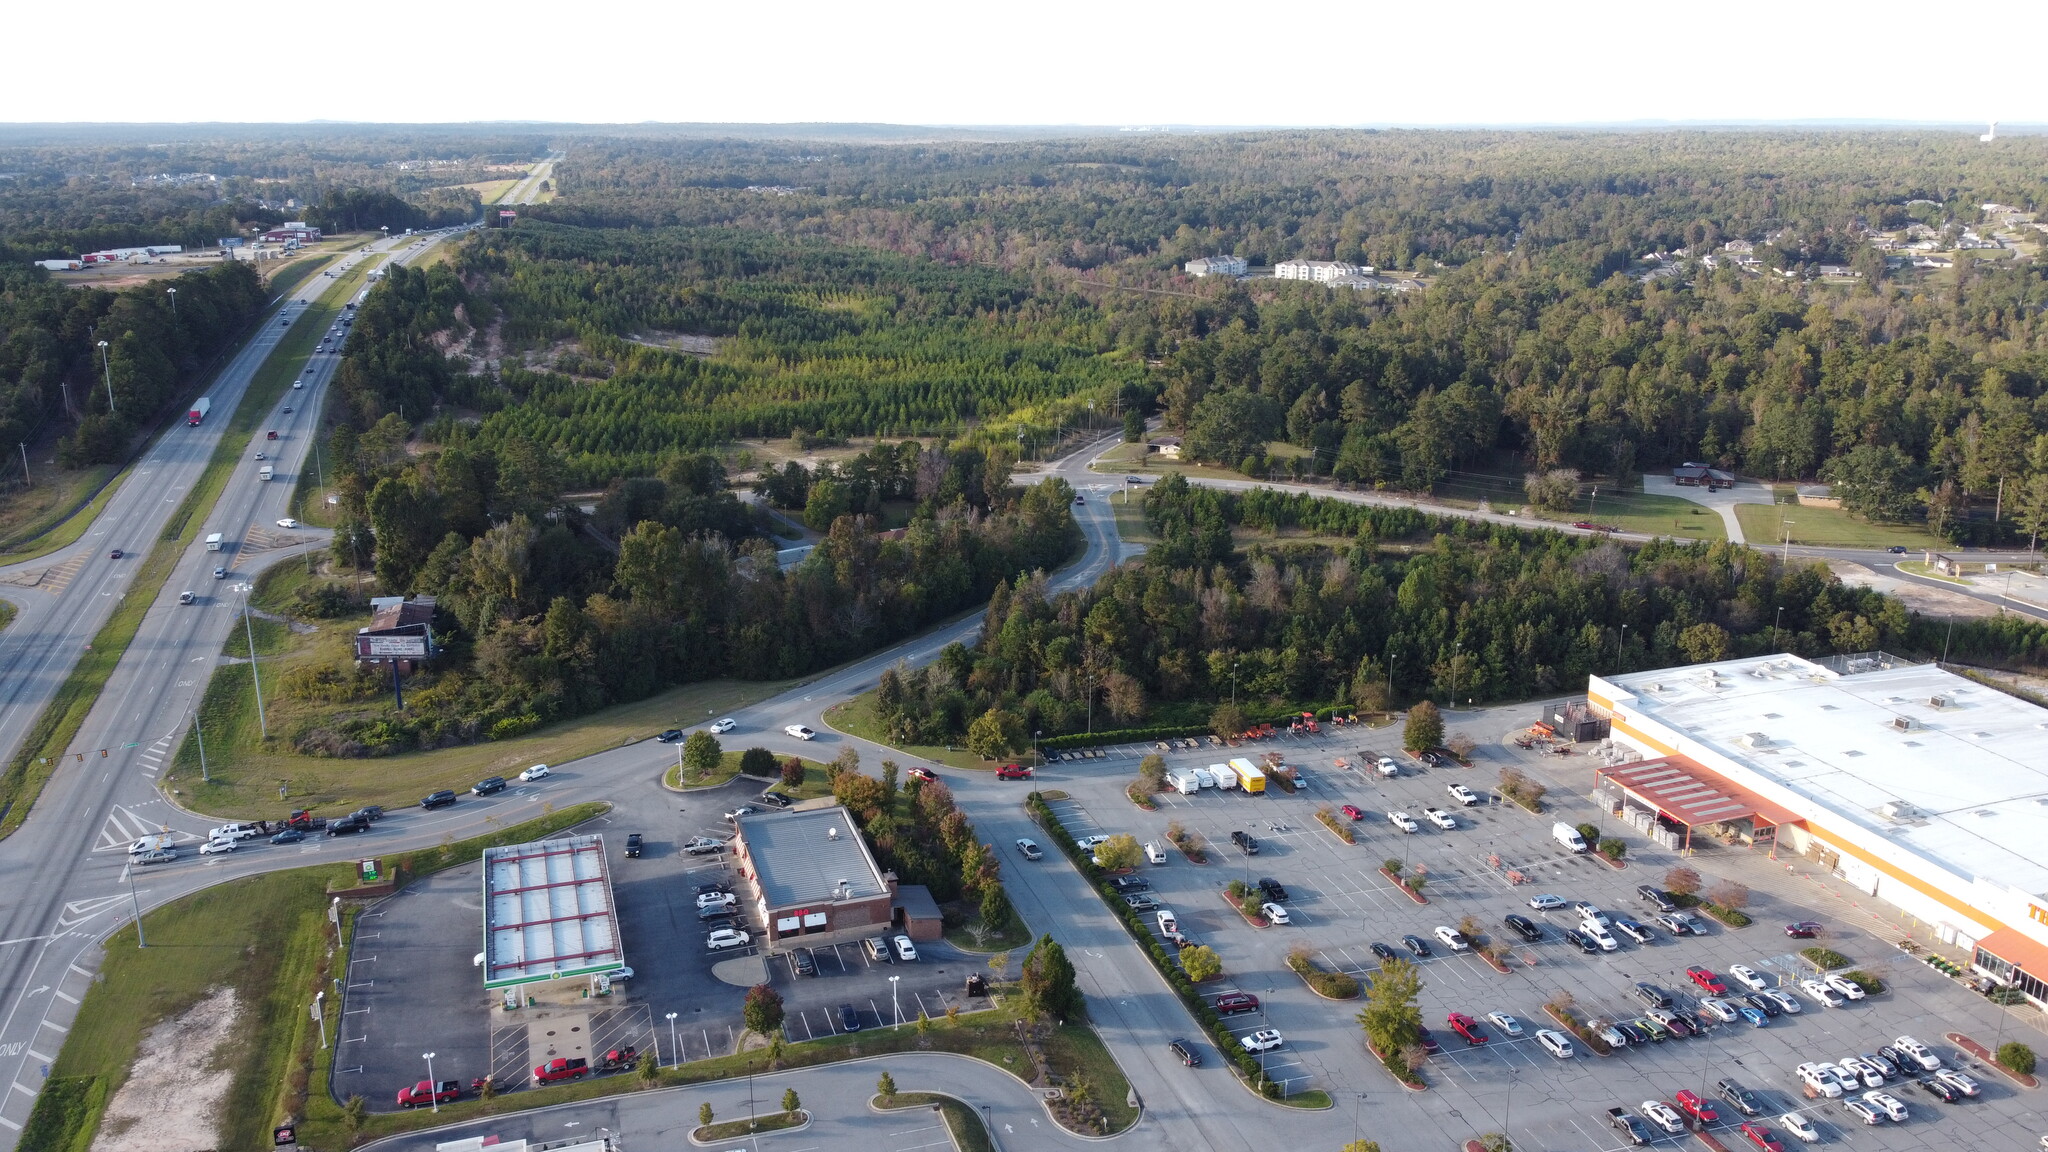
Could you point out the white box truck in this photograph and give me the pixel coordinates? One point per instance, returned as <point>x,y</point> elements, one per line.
<point>213,542</point>
<point>1185,782</point>
<point>264,473</point>
<point>1225,778</point>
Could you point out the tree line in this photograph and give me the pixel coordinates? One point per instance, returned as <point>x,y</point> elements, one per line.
<point>1415,607</point>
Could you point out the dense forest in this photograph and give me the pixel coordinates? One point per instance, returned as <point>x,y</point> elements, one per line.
<point>49,348</point>
<point>1415,607</point>
<point>1540,341</point>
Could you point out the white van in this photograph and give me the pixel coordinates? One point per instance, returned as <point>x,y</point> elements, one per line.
<point>1204,777</point>
<point>1167,924</point>
<point>1155,854</point>
<point>1568,836</point>
<point>1185,782</point>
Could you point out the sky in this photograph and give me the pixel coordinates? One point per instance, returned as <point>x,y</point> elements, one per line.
<point>1039,62</point>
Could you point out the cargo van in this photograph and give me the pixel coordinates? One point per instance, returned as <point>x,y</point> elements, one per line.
<point>1155,853</point>
<point>213,542</point>
<point>1206,777</point>
<point>1568,836</point>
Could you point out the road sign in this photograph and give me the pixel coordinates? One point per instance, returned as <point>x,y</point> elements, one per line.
<point>388,647</point>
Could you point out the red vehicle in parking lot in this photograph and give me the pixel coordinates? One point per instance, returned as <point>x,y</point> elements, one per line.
<point>1695,1106</point>
<point>1467,1027</point>
<point>1353,812</point>
<point>427,1092</point>
<point>1013,772</point>
<point>924,774</point>
<point>1762,1137</point>
<point>1802,930</point>
<point>1705,978</point>
<point>1235,1002</point>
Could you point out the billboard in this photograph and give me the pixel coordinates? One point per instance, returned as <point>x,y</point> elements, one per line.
<point>390,647</point>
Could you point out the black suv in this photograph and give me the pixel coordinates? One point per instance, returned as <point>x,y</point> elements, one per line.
<point>1656,897</point>
<point>1186,1052</point>
<point>1130,883</point>
<point>775,799</point>
<point>487,786</point>
<point>1274,890</point>
<point>1244,840</point>
<point>1524,927</point>
<point>438,799</point>
<point>633,844</point>
<point>370,812</point>
<point>347,825</point>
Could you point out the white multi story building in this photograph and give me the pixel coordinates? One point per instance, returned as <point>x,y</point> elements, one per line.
<point>1320,271</point>
<point>1217,266</point>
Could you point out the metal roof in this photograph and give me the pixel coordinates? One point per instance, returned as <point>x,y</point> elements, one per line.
<point>548,912</point>
<point>810,857</point>
<point>1692,795</point>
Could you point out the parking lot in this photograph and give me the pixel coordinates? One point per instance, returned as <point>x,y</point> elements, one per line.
<point>1340,904</point>
<point>412,988</point>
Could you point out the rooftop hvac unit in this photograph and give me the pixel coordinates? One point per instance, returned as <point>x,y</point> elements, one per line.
<point>1897,810</point>
<point>1755,740</point>
<point>1904,723</point>
<point>1939,702</point>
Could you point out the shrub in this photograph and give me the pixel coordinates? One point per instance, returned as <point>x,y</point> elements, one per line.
<point>761,762</point>
<point>1201,963</point>
<point>1612,848</point>
<point>1870,984</point>
<point>1238,889</point>
<point>2016,1057</point>
<point>1682,881</point>
<point>1424,729</point>
<point>1732,917</point>
<point>1250,906</point>
<point>1392,866</point>
<point>1728,894</point>
<point>1590,833</point>
<point>1825,958</point>
<point>1119,852</point>
<point>1461,746</point>
<point>1342,828</point>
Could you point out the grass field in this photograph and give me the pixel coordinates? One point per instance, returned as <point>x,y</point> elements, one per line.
<point>31,520</point>
<point>856,717</point>
<point>267,937</point>
<point>1764,525</point>
<point>1630,511</point>
<point>729,767</point>
<point>247,770</point>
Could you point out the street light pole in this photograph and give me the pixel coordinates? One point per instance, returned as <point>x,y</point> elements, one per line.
<point>674,1052</point>
<point>196,727</point>
<point>1775,621</point>
<point>254,676</point>
<point>136,901</point>
<point>108,366</point>
<point>895,1009</point>
<point>173,293</point>
<point>433,1089</point>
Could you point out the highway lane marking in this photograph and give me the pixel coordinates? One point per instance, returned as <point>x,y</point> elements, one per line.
<point>67,997</point>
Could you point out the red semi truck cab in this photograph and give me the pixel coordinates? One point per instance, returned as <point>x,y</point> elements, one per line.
<point>200,408</point>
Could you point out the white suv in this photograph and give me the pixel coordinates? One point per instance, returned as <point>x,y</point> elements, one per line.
<point>799,731</point>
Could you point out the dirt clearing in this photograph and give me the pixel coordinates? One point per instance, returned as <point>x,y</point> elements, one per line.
<point>176,1087</point>
<point>1925,599</point>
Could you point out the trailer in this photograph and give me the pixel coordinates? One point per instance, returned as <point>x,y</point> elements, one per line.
<point>1248,774</point>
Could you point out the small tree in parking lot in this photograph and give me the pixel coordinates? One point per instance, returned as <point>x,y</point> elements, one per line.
<point>1682,881</point>
<point>1728,894</point>
<point>885,1086</point>
<point>1201,963</point>
<point>704,1114</point>
<point>1152,772</point>
<point>763,1010</point>
<point>702,754</point>
<point>793,773</point>
<point>1390,1017</point>
<point>1424,729</point>
<point>1119,852</point>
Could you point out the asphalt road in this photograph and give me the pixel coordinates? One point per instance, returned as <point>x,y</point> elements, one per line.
<point>65,871</point>
<point>528,188</point>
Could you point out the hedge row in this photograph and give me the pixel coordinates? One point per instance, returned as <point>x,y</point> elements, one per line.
<point>1169,967</point>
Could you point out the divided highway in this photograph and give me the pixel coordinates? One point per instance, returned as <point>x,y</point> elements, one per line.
<point>65,873</point>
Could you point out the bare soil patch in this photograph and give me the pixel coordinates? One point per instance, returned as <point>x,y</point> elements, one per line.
<point>174,1090</point>
<point>1922,598</point>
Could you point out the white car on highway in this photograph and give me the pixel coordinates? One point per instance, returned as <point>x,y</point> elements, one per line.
<point>724,726</point>
<point>216,847</point>
<point>799,731</point>
<point>537,772</point>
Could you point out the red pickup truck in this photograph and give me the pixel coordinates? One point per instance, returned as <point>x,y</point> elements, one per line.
<point>561,1069</point>
<point>425,1092</point>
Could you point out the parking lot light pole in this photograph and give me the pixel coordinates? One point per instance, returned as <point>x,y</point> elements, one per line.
<point>433,1089</point>
<point>675,1055</point>
<point>895,1010</point>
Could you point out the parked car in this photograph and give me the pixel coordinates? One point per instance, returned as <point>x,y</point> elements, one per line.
<point>906,951</point>
<point>1656,897</point>
<point>1762,1137</point>
<point>1803,930</point>
<point>1746,976</point>
<point>1466,1027</point>
<point>1546,902</point>
<point>1352,812</point>
<point>1452,938</point>
<point>1264,1040</point>
<point>1274,913</point>
<point>1862,1111</point>
<point>1245,842</point>
<point>1662,1115</point>
<point>1142,901</point>
<point>1939,1089</point>
<point>1383,951</point>
<point>799,731</point>
<point>487,786</point>
<point>1130,884</point>
<point>1178,1046</point>
<point>1650,995</point>
<point>1764,1003</point>
<point>1705,978</point>
<point>1635,1032</point>
<point>1403,821</point>
<point>1958,1081</point>
<point>1029,849</point>
<point>370,812</point>
<point>1719,1009</point>
<point>1232,1003</point>
<point>1611,1033</point>
<point>1746,1102</point>
<point>804,963</point>
<point>849,1020</point>
<point>1506,1022</point>
<point>1524,927</point>
<point>1755,1017</point>
<point>1581,941</point>
<point>1273,889</point>
<point>742,810</point>
<point>1821,992</point>
<point>775,799</point>
<point>347,826</point>
<point>702,846</point>
<point>1799,1126</point>
<point>1697,1106</point>
<point>1918,1053</point>
<point>1440,818</point>
<point>1463,795</point>
<point>1633,930</point>
<point>1013,772</point>
<point>717,900</point>
<point>1894,1109</point>
<point>1416,945</point>
<point>726,938</point>
<point>1842,984</point>
<point>1813,1077</point>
